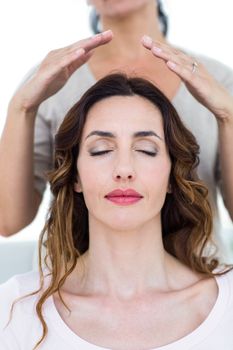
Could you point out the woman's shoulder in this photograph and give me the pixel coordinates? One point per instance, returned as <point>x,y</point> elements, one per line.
<point>19,284</point>
<point>225,284</point>
<point>16,287</point>
<point>229,279</point>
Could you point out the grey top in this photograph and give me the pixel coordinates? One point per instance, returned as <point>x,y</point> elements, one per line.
<point>196,117</point>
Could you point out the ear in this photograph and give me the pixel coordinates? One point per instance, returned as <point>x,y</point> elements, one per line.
<point>77,185</point>
<point>169,188</point>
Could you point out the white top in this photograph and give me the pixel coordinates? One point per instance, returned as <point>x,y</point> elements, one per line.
<point>24,330</point>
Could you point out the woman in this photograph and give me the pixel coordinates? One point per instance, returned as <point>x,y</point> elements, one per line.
<point>32,124</point>
<point>126,236</point>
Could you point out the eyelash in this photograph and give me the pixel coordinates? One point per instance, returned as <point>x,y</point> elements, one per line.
<point>93,154</point>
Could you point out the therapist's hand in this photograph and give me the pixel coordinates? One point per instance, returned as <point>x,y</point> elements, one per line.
<point>196,78</point>
<point>56,69</point>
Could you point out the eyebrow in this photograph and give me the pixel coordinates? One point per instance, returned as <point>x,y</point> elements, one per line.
<point>135,135</point>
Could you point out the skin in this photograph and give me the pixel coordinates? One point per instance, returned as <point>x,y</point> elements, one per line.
<point>119,9</point>
<point>98,170</point>
<point>131,52</point>
<point>119,233</point>
<point>18,197</point>
<point>169,67</point>
<point>134,278</point>
<point>135,281</point>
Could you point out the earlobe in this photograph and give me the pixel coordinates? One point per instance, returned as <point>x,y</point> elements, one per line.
<point>77,187</point>
<point>169,189</point>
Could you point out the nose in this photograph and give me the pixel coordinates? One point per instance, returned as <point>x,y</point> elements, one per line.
<point>124,170</point>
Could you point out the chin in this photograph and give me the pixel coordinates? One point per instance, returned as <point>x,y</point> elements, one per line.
<point>122,8</point>
<point>124,224</point>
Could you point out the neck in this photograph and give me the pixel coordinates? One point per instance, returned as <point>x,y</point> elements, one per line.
<point>128,31</point>
<point>126,264</point>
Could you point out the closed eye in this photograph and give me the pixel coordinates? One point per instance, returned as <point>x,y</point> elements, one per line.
<point>152,154</point>
<point>99,153</point>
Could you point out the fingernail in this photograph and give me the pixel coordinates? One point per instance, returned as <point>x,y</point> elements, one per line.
<point>107,32</point>
<point>80,52</point>
<point>171,64</point>
<point>156,49</point>
<point>97,36</point>
<point>102,34</point>
<point>147,40</point>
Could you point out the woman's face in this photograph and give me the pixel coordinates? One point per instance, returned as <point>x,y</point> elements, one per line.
<point>112,8</point>
<point>133,160</point>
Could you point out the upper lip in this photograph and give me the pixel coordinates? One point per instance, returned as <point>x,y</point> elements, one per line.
<point>124,193</point>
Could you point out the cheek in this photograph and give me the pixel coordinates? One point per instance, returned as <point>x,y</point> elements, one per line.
<point>93,177</point>
<point>158,174</point>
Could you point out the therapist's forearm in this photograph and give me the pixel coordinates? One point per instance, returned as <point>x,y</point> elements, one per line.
<point>17,196</point>
<point>226,158</point>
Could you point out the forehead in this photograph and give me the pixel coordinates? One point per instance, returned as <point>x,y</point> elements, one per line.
<point>124,114</point>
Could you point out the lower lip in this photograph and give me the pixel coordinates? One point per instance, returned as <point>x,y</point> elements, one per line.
<point>124,200</point>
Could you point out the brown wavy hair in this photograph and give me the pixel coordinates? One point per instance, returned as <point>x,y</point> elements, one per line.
<point>186,214</point>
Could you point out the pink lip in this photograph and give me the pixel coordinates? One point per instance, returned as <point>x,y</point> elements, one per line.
<point>124,200</point>
<point>124,197</point>
<point>124,193</point>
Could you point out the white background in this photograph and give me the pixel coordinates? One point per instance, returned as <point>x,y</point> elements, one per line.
<point>31,28</point>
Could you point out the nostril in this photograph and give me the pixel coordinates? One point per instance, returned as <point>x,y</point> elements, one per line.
<point>129,176</point>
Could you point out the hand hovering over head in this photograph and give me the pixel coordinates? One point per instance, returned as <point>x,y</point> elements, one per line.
<point>19,198</point>
<point>211,94</point>
<point>197,79</point>
<point>56,69</point>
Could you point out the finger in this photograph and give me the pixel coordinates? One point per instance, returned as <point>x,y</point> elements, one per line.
<point>178,57</point>
<point>147,41</point>
<point>98,40</point>
<point>93,42</point>
<point>176,60</point>
<point>166,52</point>
<point>86,44</point>
<point>74,60</point>
<point>184,72</point>
<point>74,65</point>
<point>156,48</point>
<point>76,56</point>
